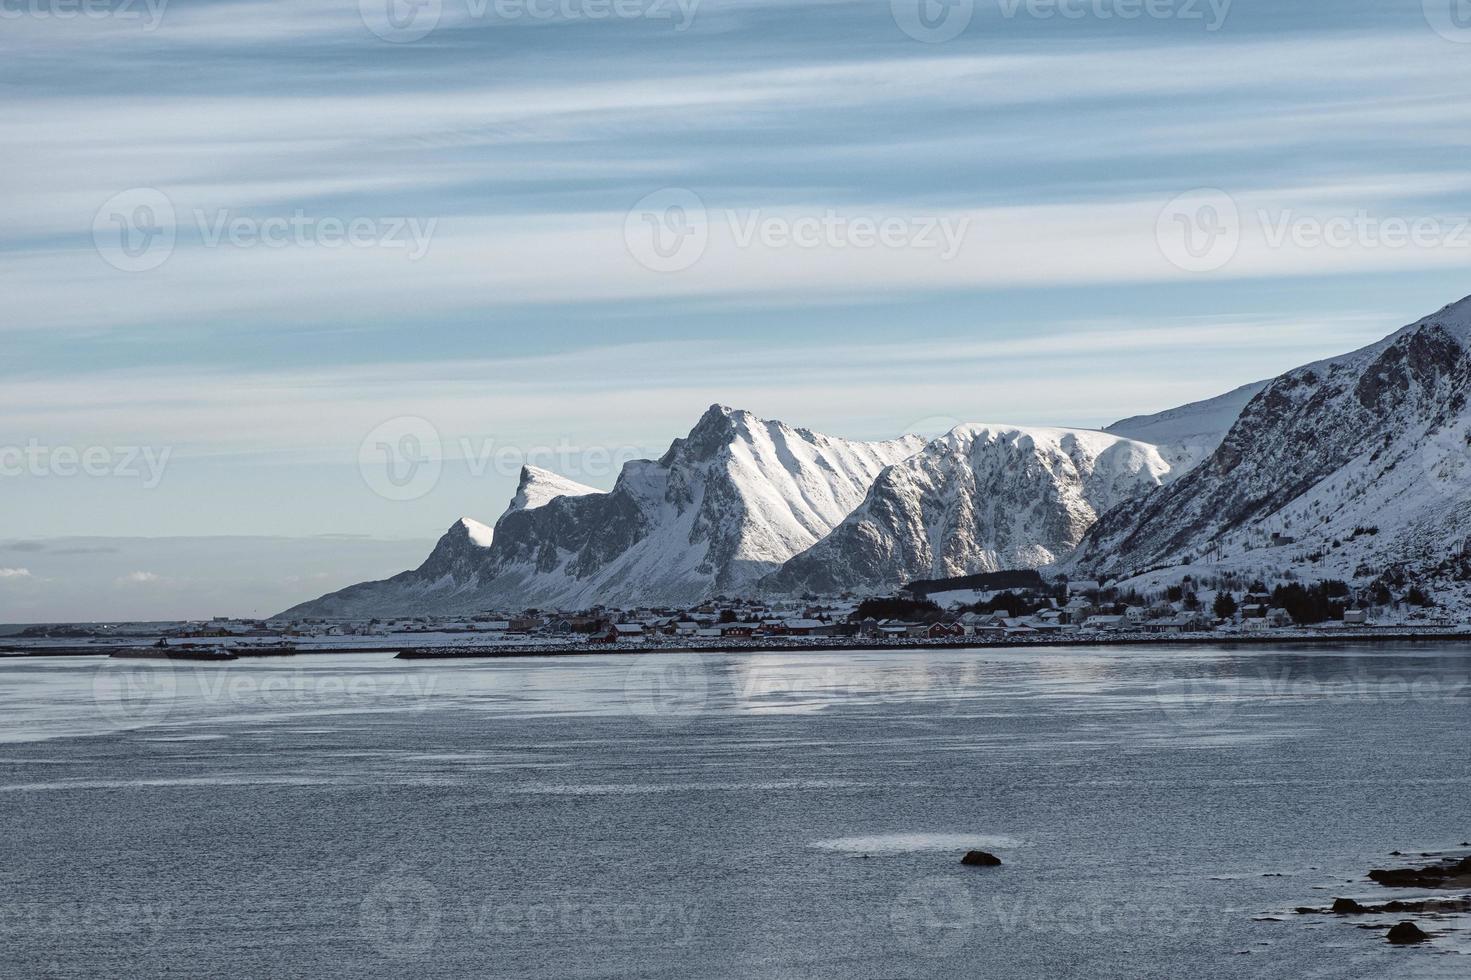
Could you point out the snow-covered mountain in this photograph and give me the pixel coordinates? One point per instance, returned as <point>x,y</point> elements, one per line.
<point>1356,463</point>
<point>452,570</point>
<point>980,499</point>
<point>540,487</point>
<point>724,506</point>
<point>1187,435</point>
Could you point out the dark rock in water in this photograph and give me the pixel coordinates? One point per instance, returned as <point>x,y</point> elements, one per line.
<point>1407,933</point>
<point>980,859</point>
<point>1421,906</point>
<point>1450,873</point>
<point>1397,877</point>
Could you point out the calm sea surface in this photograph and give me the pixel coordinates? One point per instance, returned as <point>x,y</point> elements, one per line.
<point>791,816</point>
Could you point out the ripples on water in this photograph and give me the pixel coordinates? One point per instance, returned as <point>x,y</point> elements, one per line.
<point>751,816</point>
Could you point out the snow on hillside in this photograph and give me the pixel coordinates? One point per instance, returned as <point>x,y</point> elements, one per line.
<point>725,505</point>
<point>1186,435</point>
<point>1341,468</point>
<point>481,535</point>
<point>980,499</point>
<point>1338,469</point>
<point>539,487</point>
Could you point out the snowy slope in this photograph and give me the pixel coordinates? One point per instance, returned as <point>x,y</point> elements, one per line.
<point>481,535</point>
<point>1363,460</point>
<point>1186,435</point>
<point>451,571</point>
<point>980,499</point>
<point>725,505</point>
<point>540,487</point>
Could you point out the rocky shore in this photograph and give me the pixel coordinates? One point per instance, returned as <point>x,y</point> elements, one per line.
<point>1447,873</point>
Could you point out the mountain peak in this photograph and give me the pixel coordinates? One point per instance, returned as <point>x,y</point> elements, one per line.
<point>1454,318</point>
<point>480,534</point>
<point>716,429</point>
<point>538,487</point>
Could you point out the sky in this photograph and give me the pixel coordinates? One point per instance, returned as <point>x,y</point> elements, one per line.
<point>257,255</point>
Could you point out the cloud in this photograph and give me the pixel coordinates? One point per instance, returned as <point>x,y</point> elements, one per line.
<point>11,574</point>
<point>138,578</point>
<point>458,152</point>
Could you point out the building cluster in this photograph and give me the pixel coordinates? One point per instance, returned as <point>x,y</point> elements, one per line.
<point>1072,609</point>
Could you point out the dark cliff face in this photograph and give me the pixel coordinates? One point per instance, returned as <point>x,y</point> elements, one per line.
<point>455,554</point>
<point>1305,426</point>
<point>595,527</point>
<point>712,434</point>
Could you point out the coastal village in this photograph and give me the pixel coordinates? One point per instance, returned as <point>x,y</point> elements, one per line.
<point>951,612</point>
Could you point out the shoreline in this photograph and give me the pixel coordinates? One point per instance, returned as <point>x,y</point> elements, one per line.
<point>837,644</point>
<point>407,651</point>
